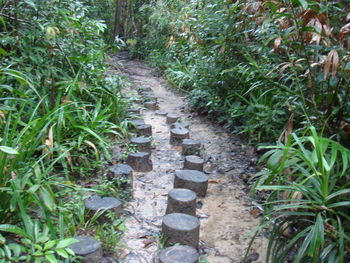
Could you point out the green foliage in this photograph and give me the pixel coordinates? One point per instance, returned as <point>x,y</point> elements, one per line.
<point>58,112</point>
<point>308,199</point>
<point>261,61</point>
<point>37,247</point>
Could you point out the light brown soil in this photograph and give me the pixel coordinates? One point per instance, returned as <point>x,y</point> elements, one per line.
<point>225,214</point>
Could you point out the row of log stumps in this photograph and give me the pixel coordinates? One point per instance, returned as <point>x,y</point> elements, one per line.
<point>150,101</point>
<point>141,161</point>
<point>180,224</point>
<point>89,249</point>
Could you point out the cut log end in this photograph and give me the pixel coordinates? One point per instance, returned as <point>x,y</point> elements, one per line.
<point>172,118</point>
<point>190,147</point>
<point>181,228</point>
<point>161,113</point>
<point>179,125</point>
<point>179,254</point>
<point>181,200</point>
<point>144,88</point>
<point>191,179</point>
<point>88,248</point>
<point>177,135</point>
<point>96,202</point>
<point>134,111</point>
<point>142,144</point>
<point>151,105</point>
<point>122,172</point>
<point>144,130</point>
<point>193,162</point>
<point>140,162</point>
<point>137,122</point>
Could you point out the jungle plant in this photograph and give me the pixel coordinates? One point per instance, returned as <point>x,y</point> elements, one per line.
<point>307,207</point>
<point>58,112</point>
<point>37,247</point>
<point>251,52</point>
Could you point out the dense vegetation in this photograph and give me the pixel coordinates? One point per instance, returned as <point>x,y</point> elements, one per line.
<point>260,66</point>
<point>273,70</point>
<point>59,111</point>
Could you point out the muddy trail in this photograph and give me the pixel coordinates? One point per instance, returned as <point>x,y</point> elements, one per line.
<point>225,213</point>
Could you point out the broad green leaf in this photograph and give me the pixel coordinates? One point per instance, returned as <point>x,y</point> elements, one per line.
<point>62,252</point>
<point>51,258</point>
<point>38,253</point>
<point>50,244</point>
<point>66,242</point>
<point>48,199</point>
<point>8,150</point>
<point>14,229</point>
<point>3,52</point>
<point>70,251</point>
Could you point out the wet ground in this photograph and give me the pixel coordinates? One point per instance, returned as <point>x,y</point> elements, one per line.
<point>225,213</point>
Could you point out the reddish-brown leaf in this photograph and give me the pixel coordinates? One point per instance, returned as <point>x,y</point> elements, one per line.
<point>213,181</point>
<point>344,31</point>
<point>335,63</point>
<point>255,212</point>
<point>282,69</point>
<point>327,65</point>
<point>276,44</point>
<point>147,242</point>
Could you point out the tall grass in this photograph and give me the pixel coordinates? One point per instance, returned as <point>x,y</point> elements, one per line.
<point>58,114</point>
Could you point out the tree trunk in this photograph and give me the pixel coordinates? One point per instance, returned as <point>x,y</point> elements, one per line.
<point>117,25</point>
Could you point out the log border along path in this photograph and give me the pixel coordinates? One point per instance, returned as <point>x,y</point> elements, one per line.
<point>224,214</point>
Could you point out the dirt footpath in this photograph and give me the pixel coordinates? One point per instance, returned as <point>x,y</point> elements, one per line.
<point>225,213</point>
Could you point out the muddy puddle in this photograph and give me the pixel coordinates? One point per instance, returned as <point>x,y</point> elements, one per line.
<point>225,213</point>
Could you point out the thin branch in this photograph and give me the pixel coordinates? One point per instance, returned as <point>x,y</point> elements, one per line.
<point>16,19</point>
<point>67,58</point>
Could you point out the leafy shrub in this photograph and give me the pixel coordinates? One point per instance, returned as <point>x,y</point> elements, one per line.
<point>58,112</point>
<point>251,52</point>
<point>306,211</point>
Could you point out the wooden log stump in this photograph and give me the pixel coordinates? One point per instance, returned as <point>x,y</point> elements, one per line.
<point>179,124</point>
<point>134,110</point>
<point>142,144</point>
<point>88,248</point>
<point>161,113</point>
<point>191,147</point>
<point>137,122</point>
<point>144,88</point>
<point>181,200</point>
<point>97,203</point>
<point>144,130</point>
<point>181,228</point>
<point>191,179</point>
<point>140,162</point>
<point>193,162</point>
<point>177,135</point>
<point>146,92</point>
<point>148,96</point>
<point>121,172</point>
<point>151,105</point>
<point>179,254</point>
<point>152,98</point>
<point>172,118</point>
